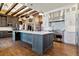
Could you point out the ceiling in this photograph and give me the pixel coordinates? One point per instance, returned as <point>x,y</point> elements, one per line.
<point>16,9</point>
<point>45,7</point>
<point>24,9</point>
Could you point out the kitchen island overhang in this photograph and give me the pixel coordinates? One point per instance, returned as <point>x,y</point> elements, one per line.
<point>40,40</point>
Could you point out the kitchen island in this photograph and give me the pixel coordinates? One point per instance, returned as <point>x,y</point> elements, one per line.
<point>40,40</point>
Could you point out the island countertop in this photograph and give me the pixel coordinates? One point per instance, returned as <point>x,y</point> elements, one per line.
<point>34,32</point>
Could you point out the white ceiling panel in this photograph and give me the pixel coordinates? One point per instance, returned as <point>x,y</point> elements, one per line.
<point>45,7</point>
<point>6,6</point>
<point>22,10</point>
<point>16,7</point>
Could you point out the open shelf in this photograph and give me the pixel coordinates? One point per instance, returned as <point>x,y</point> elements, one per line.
<point>56,21</point>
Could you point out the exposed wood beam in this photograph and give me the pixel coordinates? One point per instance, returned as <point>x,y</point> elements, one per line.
<point>21,8</point>
<point>24,12</point>
<point>25,15</point>
<point>32,12</point>
<point>11,8</point>
<point>1,6</point>
<point>36,13</point>
<point>7,15</point>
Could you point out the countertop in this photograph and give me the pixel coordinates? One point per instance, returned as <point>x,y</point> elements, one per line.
<point>34,32</point>
<point>6,29</point>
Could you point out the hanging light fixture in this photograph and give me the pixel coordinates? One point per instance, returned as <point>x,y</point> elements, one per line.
<point>41,13</point>
<point>19,19</point>
<point>31,16</point>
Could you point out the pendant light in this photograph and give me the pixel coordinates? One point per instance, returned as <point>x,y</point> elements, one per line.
<point>31,16</point>
<point>41,13</point>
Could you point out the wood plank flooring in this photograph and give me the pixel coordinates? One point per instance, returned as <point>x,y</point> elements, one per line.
<point>18,48</point>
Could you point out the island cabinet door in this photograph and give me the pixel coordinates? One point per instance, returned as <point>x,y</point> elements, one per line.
<point>51,37</point>
<point>27,37</point>
<point>37,45</point>
<point>45,42</point>
<point>23,37</point>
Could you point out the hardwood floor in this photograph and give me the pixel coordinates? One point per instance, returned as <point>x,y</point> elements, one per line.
<point>9,48</point>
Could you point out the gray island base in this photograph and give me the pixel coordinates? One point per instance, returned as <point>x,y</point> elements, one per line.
<point>40,41</point>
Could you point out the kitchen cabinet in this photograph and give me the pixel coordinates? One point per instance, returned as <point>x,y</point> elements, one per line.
<point>0,20</point>
<point>6,21</point>
<point>3,34</point>
<point>12,21</point>
<point>3,21</point>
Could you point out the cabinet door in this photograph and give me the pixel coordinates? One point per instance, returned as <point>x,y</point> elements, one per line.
<point>37,45</point>
<point>51,37</point>
<point>1,34</point>
<point>23,37</point>
<point>12,21</point>
<point>0,20</point>
<point>29,38</point>
<point>3,21</point>
<point>45,41</point>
